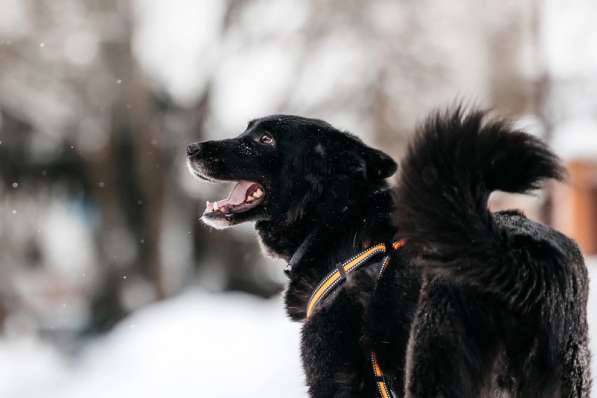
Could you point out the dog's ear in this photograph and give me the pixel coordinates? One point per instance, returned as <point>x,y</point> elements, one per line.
<point>372,163</point>
<point>379,164</point>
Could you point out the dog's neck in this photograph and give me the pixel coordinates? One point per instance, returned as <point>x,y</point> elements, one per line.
<point>282,239</point>
<point>322,245</point>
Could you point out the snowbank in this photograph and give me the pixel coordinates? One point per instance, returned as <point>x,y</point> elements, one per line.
<point>196,345</point>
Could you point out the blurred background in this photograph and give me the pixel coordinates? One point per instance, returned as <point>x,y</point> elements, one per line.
<point>109,285</point>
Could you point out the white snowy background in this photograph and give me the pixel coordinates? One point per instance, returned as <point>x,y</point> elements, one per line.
<point>74,74</point>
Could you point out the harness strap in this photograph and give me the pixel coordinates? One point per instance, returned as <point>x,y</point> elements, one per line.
<point>300,252</point>
<point>380,381</point>
<point>338,276</point>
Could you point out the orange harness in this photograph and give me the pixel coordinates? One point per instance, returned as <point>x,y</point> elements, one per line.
<point>337,277</point>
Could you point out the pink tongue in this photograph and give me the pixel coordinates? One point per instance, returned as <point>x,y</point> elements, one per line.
<point>238,194</point>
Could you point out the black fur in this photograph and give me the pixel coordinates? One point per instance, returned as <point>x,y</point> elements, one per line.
<point>503,303</point>
<point>475,305</point>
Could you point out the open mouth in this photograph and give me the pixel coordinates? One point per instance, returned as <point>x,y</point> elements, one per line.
<point>245,196</point>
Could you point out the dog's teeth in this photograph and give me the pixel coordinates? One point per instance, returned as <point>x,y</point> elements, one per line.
<point>215,205</point>
<point>258,193</point>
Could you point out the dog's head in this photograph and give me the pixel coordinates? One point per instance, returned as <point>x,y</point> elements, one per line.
<point>285,168</point>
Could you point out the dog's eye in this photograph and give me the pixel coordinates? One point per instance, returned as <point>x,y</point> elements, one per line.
<point>266,139</point>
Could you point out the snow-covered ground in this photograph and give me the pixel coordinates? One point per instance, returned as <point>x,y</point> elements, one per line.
<point>195,345</point>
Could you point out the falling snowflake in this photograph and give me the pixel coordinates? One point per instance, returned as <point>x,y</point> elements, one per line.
<point>118,81</point>
<point>42,44</point>
<point>101,184</point>
<point>15,185</point>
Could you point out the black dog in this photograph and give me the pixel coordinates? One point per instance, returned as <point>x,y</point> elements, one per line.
<point>475,304</point>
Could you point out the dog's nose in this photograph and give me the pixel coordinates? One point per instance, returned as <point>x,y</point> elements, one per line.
<point>193,149</point>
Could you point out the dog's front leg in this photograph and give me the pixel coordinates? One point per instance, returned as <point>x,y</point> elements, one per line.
<point>330,373</point>
<point>331,352</point>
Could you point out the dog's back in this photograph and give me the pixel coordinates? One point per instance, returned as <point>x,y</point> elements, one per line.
<point>503,308</point>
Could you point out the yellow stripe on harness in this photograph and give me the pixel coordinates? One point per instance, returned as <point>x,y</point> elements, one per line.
<point>330,282</point>
<point>398,244</point>
<point>382,387</point>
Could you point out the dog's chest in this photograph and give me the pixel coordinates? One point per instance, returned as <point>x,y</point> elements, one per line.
<point>333,343</point>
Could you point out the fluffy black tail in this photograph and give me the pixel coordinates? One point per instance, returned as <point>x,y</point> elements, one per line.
<point>454,163</point>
